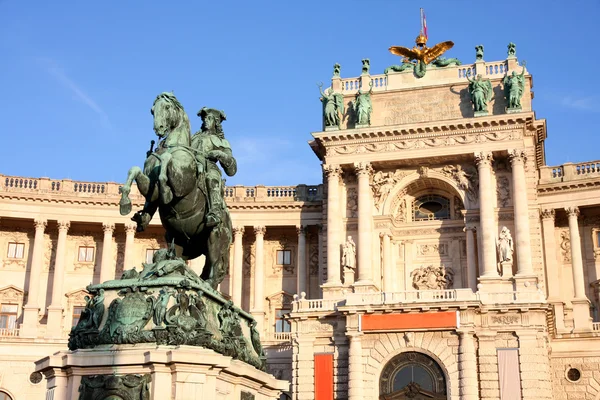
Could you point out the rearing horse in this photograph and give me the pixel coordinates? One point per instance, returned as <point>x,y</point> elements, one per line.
<point>171,184</point>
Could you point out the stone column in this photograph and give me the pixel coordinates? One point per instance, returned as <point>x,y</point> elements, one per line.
<point>471,258</point>
<point>408,265</point>
<point>238,259</point>
<point>581,304</point>
<point>301,282</point>
<point>55,310</point>
<point>258,309</point>
<point>128,261</point>
<point>395,250</point>
<point>486,215</point>
<point>365,216</point>
<point>321,273</point>
<point>467,366</point>
<point>388,283</point>
<point>333,173</point>
<point>32,308</point>
<point>107,267</point>
<point>355,367</point>
<point>521,213</point>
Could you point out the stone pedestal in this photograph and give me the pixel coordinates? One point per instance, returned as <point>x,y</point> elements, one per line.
<point>348,276</point>
<point>506,269</point>
<point>164,372</point>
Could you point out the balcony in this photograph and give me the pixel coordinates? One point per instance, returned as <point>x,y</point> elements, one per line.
<point>70,188</point>
<point>418,297</point>
<point>9,332</point>
<point>570,172</point>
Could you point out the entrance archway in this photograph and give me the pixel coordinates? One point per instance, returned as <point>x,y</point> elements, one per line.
<point>412,375</point>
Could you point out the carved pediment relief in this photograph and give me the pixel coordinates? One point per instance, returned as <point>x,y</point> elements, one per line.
<point>280,300</point>
<point>77,297</point>
<point>11,294</point>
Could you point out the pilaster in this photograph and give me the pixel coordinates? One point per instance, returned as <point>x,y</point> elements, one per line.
<point>31,310</point>
<point>486,215</point>
<point>238,259</point>
<point>488,366</point>
<point>467,366</point>
<point>107,266</point>
<point>303,367</point>
<point>258,309</point>
<point>365,235</point>
<point>535,366</point>
<point>55,310</point>
<point>355,367</point>
<point>581,304</point>
<point>302,273</point>
<point>333,286</point>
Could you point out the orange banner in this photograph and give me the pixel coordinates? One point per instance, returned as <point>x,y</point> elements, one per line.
<point>389,322</point>
<point>323,376</point>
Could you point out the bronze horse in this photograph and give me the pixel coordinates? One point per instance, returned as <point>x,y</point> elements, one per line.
<point>171,184</point>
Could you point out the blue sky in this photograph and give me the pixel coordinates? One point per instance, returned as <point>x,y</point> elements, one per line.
<point>79,77</point>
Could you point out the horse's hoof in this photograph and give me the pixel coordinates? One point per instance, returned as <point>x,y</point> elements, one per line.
<point>125,206</point>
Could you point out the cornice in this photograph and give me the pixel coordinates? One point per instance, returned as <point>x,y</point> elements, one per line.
<point>569,186</point>
<point>427,129</point>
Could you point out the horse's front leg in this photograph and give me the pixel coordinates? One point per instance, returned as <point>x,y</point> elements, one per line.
<point>165,192</point>
<point>125,202</point>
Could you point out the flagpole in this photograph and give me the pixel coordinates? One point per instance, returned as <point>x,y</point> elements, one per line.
<point>421,11</point>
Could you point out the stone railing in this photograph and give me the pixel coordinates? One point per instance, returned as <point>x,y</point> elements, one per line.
<point>596,326</point>
<point>68,187</point>
<point>570,172</point>
<point>415,296</point>
<point>278,336</point>
<point>9,332</point>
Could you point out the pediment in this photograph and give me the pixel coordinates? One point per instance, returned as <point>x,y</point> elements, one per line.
<point>77,296</point>
<point>280,299</point>
<point>11,293</point>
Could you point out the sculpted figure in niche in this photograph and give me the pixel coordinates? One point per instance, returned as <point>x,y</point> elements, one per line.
<point>481,92</point>
<point>349,255</point>
<point>505,245</point>
<point>333,106</point>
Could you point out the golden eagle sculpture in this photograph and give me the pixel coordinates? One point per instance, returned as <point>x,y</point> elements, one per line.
<point>421,55</point>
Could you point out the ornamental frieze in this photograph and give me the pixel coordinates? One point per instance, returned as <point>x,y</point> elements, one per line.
<point>505,319</point>
<point>423,143</point>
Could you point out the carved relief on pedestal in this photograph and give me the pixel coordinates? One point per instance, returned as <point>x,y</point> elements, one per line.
<point>465,177</point>
<point>352,203</point>
<point>503,191</point>
<point>432,277</point>
<point>565,246</point>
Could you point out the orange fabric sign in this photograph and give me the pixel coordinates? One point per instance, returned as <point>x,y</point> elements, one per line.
<point>385,322</point>
<point>323,376</point>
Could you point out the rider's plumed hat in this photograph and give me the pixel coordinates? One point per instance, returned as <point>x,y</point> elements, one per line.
<point>218,114</point>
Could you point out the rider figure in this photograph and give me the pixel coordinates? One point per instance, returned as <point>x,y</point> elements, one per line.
<point>211,146</point>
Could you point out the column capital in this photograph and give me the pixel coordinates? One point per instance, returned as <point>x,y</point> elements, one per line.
<point>572,211</point>
<point>260,230</point>
<point>472,228</point>
<point>130,227</point>
<point>301,229</point>
<point>332,170</point>
<point>108,227</point>
<point>517,156</point>
<point>384,234</point>
<point>483,158</point>
<point>40,223</point>
<point>547,213</point>
<point>363,168</point>
<point>63,225</point>
<point>238,230</point>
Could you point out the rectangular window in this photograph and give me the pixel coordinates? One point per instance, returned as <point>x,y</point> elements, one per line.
<point>284,257</point>
<point>86,254</point>
<point>8,316</point>
<point>282,325</point>
<point>77,310</point>
<point>16,250</point>
<point>149,255</point>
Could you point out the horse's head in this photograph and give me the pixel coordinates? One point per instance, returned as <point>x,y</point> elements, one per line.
<point>168,114</point>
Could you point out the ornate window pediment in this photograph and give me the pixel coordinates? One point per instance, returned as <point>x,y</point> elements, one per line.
<point>280,300</point>
<point>11,294</point>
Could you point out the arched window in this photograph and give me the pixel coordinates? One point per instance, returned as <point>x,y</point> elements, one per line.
<point>5,396</point>
<point>431,207</point>
<point>412,375</point>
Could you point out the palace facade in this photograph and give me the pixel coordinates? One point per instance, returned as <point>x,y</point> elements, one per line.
<point>475,273</point>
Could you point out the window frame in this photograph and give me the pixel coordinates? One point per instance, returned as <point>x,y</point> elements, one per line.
<point>9,314</point>
<point>280,322</point>
<point>284,252</point>
<point>85,258</point>
<point>17,245</point>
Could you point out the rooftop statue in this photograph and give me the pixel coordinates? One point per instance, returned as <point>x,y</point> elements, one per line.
<point>366,66</point>
<point>406,65</point>
<point>512,50</point>
<point>514,86</point>
<point>333,106</point>
<point>481,93</point>
<point>479,52</point>
<point>421,54</point>
<point>442,62</point>
<point>336,70</point>
<point>363,106</point>
<point>182,181</point>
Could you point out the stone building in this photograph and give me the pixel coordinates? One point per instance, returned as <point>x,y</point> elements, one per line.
<point>474,274</point>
